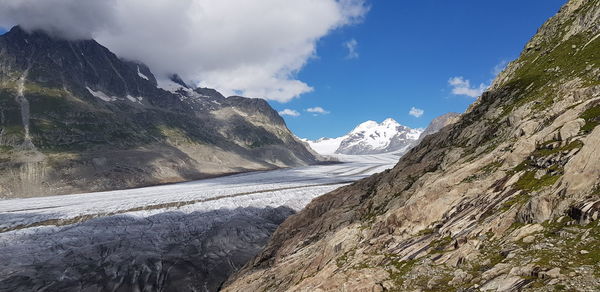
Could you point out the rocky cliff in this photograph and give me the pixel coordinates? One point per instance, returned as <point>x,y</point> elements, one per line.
<point>505,199</point>
<point>438,124</point>
<point>74,117</point>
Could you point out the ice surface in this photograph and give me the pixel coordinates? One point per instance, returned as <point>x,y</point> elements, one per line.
<point>325,146</point>
<point>191,234</point>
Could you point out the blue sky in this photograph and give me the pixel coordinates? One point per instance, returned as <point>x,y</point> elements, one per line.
<point>407,52</point>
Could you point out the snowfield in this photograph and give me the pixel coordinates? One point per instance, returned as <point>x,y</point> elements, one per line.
<point>189,235</point>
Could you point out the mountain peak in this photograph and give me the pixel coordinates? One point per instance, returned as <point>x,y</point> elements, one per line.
<point>19,31</point>
<point>391,122</point>
<point>370,137</point>
<point>365,126</point>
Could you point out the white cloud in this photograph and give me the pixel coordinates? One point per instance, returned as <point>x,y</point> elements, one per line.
<point>289,112</point>
<point>416,112</point>
<point>252,47</point>
<point>351,46</point>
<point>461,86</point>
<point>317,110</point>
<point>499,67</point>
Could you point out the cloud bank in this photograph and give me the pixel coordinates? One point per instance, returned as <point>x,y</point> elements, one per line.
<point>248,47</point>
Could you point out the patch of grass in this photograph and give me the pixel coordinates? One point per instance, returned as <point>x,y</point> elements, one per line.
<point>361,266</point>
<point>490,168</point>
<point>5,148</point>
<point>543,151</point>
<point>592,119</point>
<point>484,171</point>
<point>569,256</point>
<point>441,285</point>
<point>36,89</point>
<point>541,71</point>
<point>399,269</point>
<point>14,130</point>
<point>560,287</point>
<point>174,135</point>
<point>426,231</point>
<point>440,244</point>
<point>528,182</point>
<point>519,200</point>
<point>343,259</point>
<point>491,256</point>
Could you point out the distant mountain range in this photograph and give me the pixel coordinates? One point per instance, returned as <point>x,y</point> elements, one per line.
<point>371,137</point>
<point>74,117</point>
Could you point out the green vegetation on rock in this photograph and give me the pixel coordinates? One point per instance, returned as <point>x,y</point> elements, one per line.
<point>592,119</point>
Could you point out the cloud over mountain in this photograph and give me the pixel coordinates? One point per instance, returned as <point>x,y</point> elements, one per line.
<point>247,47</point>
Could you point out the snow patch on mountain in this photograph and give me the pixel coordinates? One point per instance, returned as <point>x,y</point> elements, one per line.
<point>170,86</point>
<point>141,74</point>
<point>101,95</point>
<point>370,137</point>
<point>325,146</point>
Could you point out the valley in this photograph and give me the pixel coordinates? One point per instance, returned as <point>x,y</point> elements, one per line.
<point>134,158</point>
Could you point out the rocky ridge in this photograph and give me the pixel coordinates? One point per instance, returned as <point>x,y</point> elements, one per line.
<point>438,124</point>
<point>505,199</point>
<point>74,117</point>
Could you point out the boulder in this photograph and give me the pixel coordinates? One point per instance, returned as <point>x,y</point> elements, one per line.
<point>571,129</point>
<point>554,273</point>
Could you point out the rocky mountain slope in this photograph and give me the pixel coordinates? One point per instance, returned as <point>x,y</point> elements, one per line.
<point>505,199</point>
<point>370,137</point>
<point>438,124</point>
<point>76,118</point>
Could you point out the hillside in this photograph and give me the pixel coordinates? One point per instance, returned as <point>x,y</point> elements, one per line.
<point>74,117</point>
<point>505,199</point>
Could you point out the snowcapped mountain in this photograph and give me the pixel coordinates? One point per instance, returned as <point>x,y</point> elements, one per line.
<point>373,138</point>
<point>370,137</point>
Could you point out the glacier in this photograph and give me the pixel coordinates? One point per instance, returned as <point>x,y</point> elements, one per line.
<point>187,236</point>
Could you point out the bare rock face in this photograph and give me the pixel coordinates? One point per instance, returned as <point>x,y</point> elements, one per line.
<point>508,194</point>
<point>439,123</point>
<point>76,118</point>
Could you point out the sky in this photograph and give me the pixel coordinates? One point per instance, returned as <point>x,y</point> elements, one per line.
<point>404,56</point>
<point>325,65</point>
